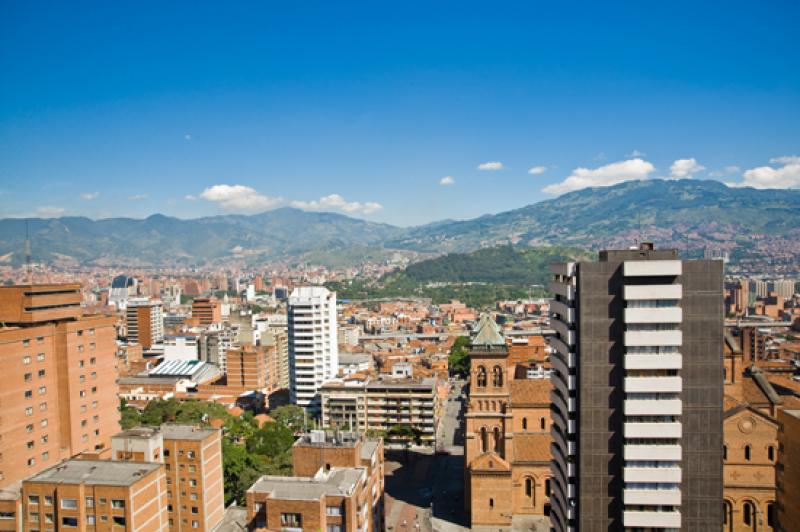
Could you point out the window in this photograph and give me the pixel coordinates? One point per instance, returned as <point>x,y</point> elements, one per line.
<point>28,376</point>
<point>747,452</point>
<point>333,528</point>
<point>95,418</point>
<point>194,496</point>
<point>91,345</point>
<point>42,407</point>
<point>747,513</point>
<point>82,378</point>
<point>82,393</point>
<point>293,520</point>
<point>41,373</point>
<point>484,440</point>
<point>481,377</point>
<point>92,360</point>
<point>90,502</point>
<point>334,510</point>
<point>26,359</point>
<point>192,469</point>
<point>117,503</point>
<point>195,524</point>
<point>190,454</point>
<point>771,453</point>
<point>83,408</point>
<point>542,423</point>
<point>40,339</point>
<point>31,462</point>
<point>30,445</point>
<point>48,500</point>
<point>497,376</point>
<point>43,423</point>
<point>42,390</point>
<point>94,374</point>
<point>192,482</point>
<point>34,517</point>
<point>491,503</point>
<point>94,389</point>
<point>547,487</point>
<point>724,452</point>
<point>28,428</point>
<point>28,394</point>
<point>770,515</point>
<point>7,515</point>
<point>529,487</point>
<point>40,357</point>
<point>90,520</point>
<point>44,439</point>
<point>26,343</point>
<point>45,456</point>
<point>69,504</point>
<point>48,518</point>
<point>119,520</point>
<point>80,349</point>
<point>103,500</point>
<point>195,510</point>
<point>80,363</point>
<point>29,411</point>
<point>166,452</point>
<point>33,499</point>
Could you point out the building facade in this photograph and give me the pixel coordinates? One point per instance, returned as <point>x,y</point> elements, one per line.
<point>637,400</point>
<point>789,470</point>
<point>313,348</point>
<point>59,392</point>
<point>144,320</point>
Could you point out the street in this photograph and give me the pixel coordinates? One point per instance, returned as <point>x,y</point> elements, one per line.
<point>424,489</point>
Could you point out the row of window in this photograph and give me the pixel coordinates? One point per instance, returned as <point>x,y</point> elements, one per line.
<point>27,358</point>
<point>29,376</point>
<point>193,496</point>
<point>497,376</point>
<point>72,522</point>
<point>29,393</point>
<point>72,504</point>
<point>747,452</point>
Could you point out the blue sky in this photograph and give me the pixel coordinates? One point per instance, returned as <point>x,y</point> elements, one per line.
<point>112,109</point>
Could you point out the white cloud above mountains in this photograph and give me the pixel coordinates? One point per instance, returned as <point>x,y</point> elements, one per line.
<point>536,170</point>
<point>47,211</point>
<point>609,174</point>
<point>785,173</point>
<point>238,198</point>
<point>491,165</point>
<point>337,202</point>
<point>683,168</point>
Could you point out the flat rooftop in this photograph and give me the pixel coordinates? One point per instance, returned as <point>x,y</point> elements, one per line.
<point>186,432</point>
<point>336,482</point>
<point>95,473</point>
<point>144,433</point>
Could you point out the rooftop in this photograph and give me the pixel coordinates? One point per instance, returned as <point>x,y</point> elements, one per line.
<point>336,482</point>
<point>186,432</point>
<point>95,473</point>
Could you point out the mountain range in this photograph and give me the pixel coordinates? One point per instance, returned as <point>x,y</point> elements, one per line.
<point>696,216</point>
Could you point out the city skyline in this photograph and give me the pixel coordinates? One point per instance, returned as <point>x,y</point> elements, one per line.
<point>397,119</point>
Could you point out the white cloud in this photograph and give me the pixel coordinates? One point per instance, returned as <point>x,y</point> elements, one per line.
<point>337,202</point>
<point>238,198</point>
<point>137,197</point>
<point>536,170</point>
<point>491,165</point>
<point>610,174</point>
<point>188,136</point>
<point>685,168</point>
<point>50,212</point>
<point>447,180</point>
<point>636,153</point>
<point>90,195</point>
<point>785,176</point>
<point>190,197</point>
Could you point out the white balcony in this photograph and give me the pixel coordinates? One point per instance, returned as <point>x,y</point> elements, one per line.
<point>671,361</point>
<point>652,474</point>
<point>564,332</point>
<point>564,350</point>
<point>567,269</point>
<point>652,497</point>
<point>667,453</point>
<point>566,291</point>
<point>566,312</point>
<point>653,384</point>
<point>651,268</point>
<point>654,407</point>
<point>653,338</point>
<point>666,430</point>
<point>652,519</point>
<point>650,292</point>
<point>654,315</point>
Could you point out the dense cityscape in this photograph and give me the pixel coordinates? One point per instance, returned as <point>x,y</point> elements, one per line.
<point>399,266</point>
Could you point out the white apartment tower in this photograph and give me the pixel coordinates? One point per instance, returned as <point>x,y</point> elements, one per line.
<point>144,320</point>
<point>313,350</point>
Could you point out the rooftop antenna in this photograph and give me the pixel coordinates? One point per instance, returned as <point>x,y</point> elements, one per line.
<point>28,254</point>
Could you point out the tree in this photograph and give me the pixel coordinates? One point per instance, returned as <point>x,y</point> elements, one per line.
<point>458,360</point>
<point>271,440</point>
<point>129,416</point>
<point>405,432</point>
<point>291,416</point>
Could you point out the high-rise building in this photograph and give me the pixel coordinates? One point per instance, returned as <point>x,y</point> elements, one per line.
<point>759,287</point>
<point>192,458</point>
<point>783,287</point>
<point>251,367</point>
<point>313,348</point>
<point>277,337</point>
<point>144,319</point>
<point>206,310</point>
<point>637,400</point>
<point>59,391</point>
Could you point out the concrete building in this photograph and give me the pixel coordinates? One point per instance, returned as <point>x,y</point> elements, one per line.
<point>783,287</point>
<point>338,487</point>
<point>276,336</point>
<point>181,348</point>
<point>637,400</point>
<point>192,458</point>
<point>350,363</point>
<point>215,344</point>
<point>123,288</point>
<point>206,310</point>
<point>348,335</point>
<point>313,349</point>
<point>378,404</point>
<point>789,470</point>
<point>144,319</point>
<point>507,476</point>
<point>87,495</point>
<point>59,391</point>
<point>251,368</point>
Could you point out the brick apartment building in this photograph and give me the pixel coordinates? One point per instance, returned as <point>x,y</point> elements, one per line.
<point>206,311</point>
<point>339,487</point>
<point>59,392</point>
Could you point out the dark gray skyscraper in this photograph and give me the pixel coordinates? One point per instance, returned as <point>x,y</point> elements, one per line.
<point>637,401</point>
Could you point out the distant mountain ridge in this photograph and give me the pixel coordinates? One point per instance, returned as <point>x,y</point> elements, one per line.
<point>691,215</point>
